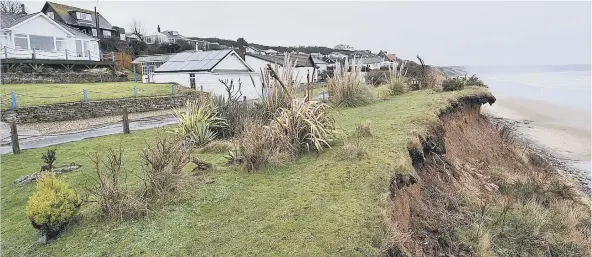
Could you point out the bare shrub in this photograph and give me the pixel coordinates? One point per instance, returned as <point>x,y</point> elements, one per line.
<point>163,164</point>
<point>263,146</point>
<point>114,198</point>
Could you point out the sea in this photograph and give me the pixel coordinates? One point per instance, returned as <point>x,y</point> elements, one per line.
<point>565,85</point>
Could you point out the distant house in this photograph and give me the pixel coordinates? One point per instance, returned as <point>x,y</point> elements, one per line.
<point>254,50</point>
<point>167,36</point>
<point>344,47</point>
<point>205,69</point>
<point>271,52</point>
<point>304,66</point>
<point>81,19</point>
<point>373,63</point>
<point>28,36</point>
<point>131,36</point>
<point>337,55</point>
<point>149,63</point>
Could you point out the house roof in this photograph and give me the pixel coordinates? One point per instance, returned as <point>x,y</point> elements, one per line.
<point>153,58</point>
<point>195,61</point>
<point>301,60</point>
<point>391,57</point>
<point>369,60</point>
<point>10,19</point>
<point>64,11</point>
<point>169,34</point>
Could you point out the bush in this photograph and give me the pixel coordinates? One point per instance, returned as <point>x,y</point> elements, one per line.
<point>345,88</point>
<point>475,81</point>
<point>383,92</point>
<point>163,163</point>
<point>376,78</point>
<point>453,84</point>
<point>397,86</point>
<point>52,205</point>
<point>307,124</point>
<point>198,121</point>
<point>262,146</point>
<point>113,197</point>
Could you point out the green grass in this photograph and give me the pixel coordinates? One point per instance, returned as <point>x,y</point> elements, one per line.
<point>40,94</point>
<point>315,206</point>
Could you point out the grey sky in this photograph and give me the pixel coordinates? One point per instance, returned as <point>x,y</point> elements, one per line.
<point>443,33</point>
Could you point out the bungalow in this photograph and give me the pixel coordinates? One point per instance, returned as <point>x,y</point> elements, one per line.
<point>373,63</point>
<point>149,63</point>
<point>81,19</point>
<point>205,69</point>
<point>304,67</point>
<point>37,36</point>
<point>271,52</point>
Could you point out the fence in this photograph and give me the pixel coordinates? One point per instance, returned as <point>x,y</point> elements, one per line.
<point>11,100</point>
<point>123,60</point>
<point>12,53</point>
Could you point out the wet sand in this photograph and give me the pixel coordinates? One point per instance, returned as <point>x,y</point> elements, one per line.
<point>564,133</point>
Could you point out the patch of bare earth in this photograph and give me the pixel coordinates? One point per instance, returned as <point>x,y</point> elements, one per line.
<point>460,167</point>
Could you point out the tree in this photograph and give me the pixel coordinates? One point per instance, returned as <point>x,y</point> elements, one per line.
<point>137,29</point>
<point>137,47</point>
<point>185,45</point>
<point>13,6</point>
<point>242,42</point>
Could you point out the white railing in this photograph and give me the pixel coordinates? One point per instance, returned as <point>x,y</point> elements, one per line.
<point>11,53</point>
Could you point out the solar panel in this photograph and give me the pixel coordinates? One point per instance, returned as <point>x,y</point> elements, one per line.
<point>199,61</point>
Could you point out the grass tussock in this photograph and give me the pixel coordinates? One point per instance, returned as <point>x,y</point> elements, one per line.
<point>218,146</point>
<point>396,81</point>
<point>346,89</point>
<point>263,146</point>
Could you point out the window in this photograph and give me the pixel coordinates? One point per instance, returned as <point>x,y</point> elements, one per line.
<point>86,48</point>
<point>60,44</point>
<point>84,16</point>
<point>106,34</point>
<point>21,41</point>
<point>79,48</point>
<point>3,41</point>
<point>43,43</point>
<point>94,32</point>
<point>192,80</point>
<point>50,15</point>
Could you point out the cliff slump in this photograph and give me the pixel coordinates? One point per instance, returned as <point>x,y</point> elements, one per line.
<point>461,165</point>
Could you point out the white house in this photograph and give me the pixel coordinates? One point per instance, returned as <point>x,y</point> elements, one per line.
<point>205,69</point>
<point>373,63</point>
<point>27,36</point>
<point>254,50</point>
<point>304,67</point>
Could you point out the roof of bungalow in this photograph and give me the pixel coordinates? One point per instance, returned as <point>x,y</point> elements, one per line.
<point>153,58</point>
<point>196,61</point>
<point>301,61</point>
<point>64,11</point>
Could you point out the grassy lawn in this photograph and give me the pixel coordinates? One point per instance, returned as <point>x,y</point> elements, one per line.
<point>39,94</point>
<point>316,206</point>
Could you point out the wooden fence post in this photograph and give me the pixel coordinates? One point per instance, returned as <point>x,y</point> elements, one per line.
<point>16,149</point>
<point>126,129</point>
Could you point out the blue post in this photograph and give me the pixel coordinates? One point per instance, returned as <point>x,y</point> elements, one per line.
<point>201,88</point>
<point>135,79</point>
<point>135,91</point>
<point>12,100</point>
<point>323,94</point>
<point>173,89</point>
<point>5,53</point>
<point>85,95</point>
<point>34,54</point>
<point>66,53</point>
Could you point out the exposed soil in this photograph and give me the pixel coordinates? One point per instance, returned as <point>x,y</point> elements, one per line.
<point>457,163</point>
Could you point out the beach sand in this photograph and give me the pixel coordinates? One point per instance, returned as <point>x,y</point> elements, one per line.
<point>561,132</point>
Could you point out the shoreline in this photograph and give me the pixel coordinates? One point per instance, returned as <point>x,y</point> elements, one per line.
<point>559,134</point>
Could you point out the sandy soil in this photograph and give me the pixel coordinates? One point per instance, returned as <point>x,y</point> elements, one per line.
<point>562,132</point>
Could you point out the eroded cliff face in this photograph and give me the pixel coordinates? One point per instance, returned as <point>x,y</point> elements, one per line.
<point>457,164</point>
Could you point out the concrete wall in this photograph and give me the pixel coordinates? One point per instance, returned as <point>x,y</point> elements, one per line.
<point>92,109</point>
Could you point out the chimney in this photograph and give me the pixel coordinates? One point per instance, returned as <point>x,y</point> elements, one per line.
<point>242,52</point>
<point>23,9</point>
<point>158,28</point>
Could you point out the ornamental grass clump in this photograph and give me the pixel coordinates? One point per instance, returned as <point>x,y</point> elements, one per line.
<point>52,205</point>
<point>396,81</point>
<point>346,88</point>
<point>198,122</point>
